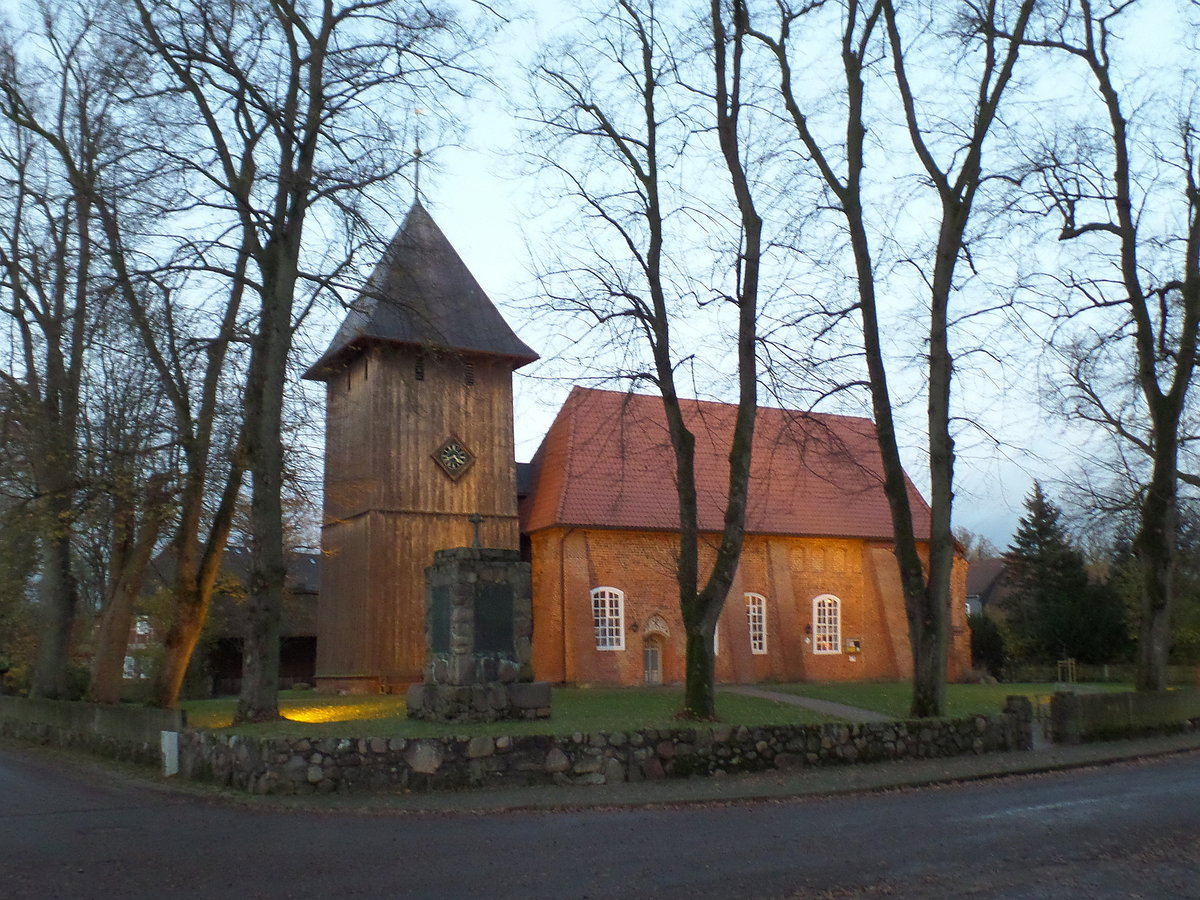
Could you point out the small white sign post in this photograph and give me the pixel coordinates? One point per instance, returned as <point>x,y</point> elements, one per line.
<point>170,752</point>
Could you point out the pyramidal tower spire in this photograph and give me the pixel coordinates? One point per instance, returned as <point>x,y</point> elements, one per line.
<point>422,294</point>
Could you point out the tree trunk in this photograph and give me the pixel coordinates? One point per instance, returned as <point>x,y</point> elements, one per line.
<point>59,593</point>
<point>59,601</point>
<point>112,645</point>
<point>929,663</point>
<point>1155,541</point>
<point>128,578</point>
<point>259,698</point>
<point>1155,547</point>
<point>927,686</point>
<point>929,630</point>
<point>701,610</point>
<point>179,643</point>
<point>195,577</point>
<point>699,688</point>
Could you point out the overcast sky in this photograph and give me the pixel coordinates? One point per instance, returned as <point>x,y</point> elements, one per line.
<point>477,195</point>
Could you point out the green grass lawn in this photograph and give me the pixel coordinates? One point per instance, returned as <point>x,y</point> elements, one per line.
<point>591,710</point>
<point>585,710</point>
<point>894,698</point>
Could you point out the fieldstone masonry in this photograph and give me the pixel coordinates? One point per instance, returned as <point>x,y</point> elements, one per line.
<point>478,640</point>
<point>310,765</point>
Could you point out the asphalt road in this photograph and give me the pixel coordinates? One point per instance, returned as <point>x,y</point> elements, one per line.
<point>1122,831</point>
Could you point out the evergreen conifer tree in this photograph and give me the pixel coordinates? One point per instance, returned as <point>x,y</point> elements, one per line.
<point>1053,610</point>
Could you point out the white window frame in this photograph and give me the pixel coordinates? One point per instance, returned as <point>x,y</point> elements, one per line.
<point>827,624</point>
<point>756,622</point>
<point>608,617</point>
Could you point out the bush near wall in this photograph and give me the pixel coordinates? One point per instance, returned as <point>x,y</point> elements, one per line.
<point>306,765</point>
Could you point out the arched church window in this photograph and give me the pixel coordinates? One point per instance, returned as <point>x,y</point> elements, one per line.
<point>827,624</point>
<point>608,616</point>
<point>756,619</point>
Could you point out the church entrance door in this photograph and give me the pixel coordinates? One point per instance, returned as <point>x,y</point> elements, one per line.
<point>652,660</point>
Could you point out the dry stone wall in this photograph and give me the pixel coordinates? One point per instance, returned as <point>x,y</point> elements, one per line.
<point>323,765</point>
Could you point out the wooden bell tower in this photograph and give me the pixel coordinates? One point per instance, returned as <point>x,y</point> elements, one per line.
<point>419,453</point>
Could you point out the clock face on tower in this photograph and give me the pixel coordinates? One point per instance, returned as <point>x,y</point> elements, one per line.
<point>453,457</point>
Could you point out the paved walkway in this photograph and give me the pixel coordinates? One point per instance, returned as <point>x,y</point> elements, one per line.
<point>827,707</point>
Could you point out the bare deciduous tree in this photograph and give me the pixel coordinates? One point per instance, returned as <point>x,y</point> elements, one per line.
<point>122,173</point>
<point>1127,193</point>
<point>624,100</point>
<point>949,147</point>
<point>48,245</point>
<point>294,108</point>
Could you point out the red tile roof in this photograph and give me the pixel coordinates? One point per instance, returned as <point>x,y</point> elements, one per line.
<point>607,462</point>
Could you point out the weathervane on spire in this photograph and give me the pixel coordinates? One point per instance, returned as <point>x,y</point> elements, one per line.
<point>417,155</point>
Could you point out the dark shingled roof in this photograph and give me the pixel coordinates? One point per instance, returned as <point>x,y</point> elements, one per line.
<point>524,479</point>
<point>422,293</point>
<point>985,579</point>
<point>228,614</point>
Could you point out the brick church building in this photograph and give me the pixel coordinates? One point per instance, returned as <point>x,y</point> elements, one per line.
<point>420,457</point>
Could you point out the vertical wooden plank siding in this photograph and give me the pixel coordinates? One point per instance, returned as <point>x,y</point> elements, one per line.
<point>389,506</point>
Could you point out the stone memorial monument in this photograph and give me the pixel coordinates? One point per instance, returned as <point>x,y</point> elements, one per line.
<point>478,640</point>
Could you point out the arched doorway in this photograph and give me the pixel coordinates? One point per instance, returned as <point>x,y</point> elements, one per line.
<point>654,644</point>
<point>652,654</point>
